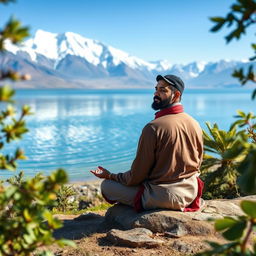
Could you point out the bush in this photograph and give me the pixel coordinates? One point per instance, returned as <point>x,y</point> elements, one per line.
<point>25,221</point>
<point>26,224</point>
<point>228,149</point>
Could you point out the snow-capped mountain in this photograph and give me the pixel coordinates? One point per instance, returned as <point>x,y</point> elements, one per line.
<point>71,60</point>
<point>58,46</point>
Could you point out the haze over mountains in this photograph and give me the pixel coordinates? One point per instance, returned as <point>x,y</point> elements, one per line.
<point>69,60</point>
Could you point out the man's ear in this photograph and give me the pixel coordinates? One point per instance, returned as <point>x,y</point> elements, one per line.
<point>177,96</point>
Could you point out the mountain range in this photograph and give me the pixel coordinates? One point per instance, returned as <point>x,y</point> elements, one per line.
<point>69,60</point>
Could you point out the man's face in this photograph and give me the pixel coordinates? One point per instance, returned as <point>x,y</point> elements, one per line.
<point>163,95</point>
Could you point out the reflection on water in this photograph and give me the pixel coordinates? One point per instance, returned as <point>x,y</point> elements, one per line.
<point>78,130</point>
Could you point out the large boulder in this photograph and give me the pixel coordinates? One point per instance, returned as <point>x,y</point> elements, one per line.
<point>176,223</point>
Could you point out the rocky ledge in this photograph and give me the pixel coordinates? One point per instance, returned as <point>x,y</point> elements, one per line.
<point>172,224</point>
<point>184,233</point>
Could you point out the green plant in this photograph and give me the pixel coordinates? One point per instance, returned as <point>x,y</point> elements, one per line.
<point>246,120</point>
<point>240,230</point>
<point>219,168</point>
<point>25,221</point>
<point>26,224</point>
<point>241,16</point>
<point>64,200</point>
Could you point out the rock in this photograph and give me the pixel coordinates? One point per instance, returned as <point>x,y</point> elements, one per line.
<point>83,204</point>
<point>182,247</point>
<point>137,237</point>
<point>176,223</point>
<point>223,207</point>
<point>87,216</point>
<point>171,235</point>
<point>122,215</point>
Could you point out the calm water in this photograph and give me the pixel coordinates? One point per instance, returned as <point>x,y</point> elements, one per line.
<point>79,130</point>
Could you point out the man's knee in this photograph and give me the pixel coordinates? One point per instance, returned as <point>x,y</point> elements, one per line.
<point>105,185</point>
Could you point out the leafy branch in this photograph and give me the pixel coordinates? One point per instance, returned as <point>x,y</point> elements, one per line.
<point>241,16</point>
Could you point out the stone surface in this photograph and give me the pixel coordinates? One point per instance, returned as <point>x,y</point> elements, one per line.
<point>87,216</point>
<point>182,247</point>
<point>174,223</point>
<point>137,237</point>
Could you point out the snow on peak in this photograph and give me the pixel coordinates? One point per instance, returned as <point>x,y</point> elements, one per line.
<point>44,43</point>
<point>57,46</point>
<point>201,65</point>
<point>120,56</point>
<point>161,65</point>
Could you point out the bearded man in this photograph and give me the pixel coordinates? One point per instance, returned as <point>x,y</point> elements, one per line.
<point>165,172</point>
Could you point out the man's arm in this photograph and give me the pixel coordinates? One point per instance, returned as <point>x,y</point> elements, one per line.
<point>143,162</point>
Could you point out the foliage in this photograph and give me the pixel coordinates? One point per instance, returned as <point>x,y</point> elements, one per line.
<point>12,128</point>
<point>222,167</point>
<point>64,200</point>
<point>238,231</point>
<point>241,16</point>
<point>25,221</point>
<point>17,179</point>
<point>246,120</point>
<point>99,207</point>
<point>221,179</point>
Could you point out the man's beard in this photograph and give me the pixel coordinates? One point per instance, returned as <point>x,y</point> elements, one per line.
<point>161,104</point>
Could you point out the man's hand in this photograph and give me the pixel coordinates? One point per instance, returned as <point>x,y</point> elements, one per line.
<point>101,173</point>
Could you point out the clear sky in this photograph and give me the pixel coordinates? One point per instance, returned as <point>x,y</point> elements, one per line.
<point>175,30</point>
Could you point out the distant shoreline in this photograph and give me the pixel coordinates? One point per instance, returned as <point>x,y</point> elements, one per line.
<point>244,88</point>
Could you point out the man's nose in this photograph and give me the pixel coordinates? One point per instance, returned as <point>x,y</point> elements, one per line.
<point>156,93</point>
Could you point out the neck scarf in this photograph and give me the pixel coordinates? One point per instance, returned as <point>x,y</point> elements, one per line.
<point>176,109</point>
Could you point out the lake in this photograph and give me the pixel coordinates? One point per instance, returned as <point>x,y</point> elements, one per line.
<point>80,129</point>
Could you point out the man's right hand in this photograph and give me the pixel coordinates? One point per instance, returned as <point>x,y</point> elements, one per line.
<point>101,173</point>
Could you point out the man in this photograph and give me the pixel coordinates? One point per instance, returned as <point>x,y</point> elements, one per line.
<point>165,172</point>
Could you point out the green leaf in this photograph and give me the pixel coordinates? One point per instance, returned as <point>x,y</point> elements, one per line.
<point>236,231</point>
<point>14,31</point>
<point>6,93</point>
<point>224,223</point>
<point>217,19</point>
<point>66,242</point>
<point>217,27</point>
<point>241,113</point>
<point>27,215</point>
<point>247,180</point>
<point>236,150</point>
<point>249,208</point>
<point>236,7</point>
<point>238,122</point>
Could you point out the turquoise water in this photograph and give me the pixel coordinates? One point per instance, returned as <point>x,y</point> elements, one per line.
<point>79,130</point>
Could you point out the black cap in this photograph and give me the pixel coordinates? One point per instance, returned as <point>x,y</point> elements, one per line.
<point>173,81</point>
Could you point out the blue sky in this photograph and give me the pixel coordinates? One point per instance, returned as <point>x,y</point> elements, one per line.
<point>175,30</point>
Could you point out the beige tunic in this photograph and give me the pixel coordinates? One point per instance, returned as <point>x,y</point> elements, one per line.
<point>167,163</point>
<point>170,149</point>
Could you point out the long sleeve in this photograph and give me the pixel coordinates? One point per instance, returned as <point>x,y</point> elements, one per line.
<point>143,162</point>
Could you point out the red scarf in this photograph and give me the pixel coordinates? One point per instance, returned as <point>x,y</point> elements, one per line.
<point>171,110</point>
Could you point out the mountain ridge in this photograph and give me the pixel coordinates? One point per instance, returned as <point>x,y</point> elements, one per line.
<point>69,60</point>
